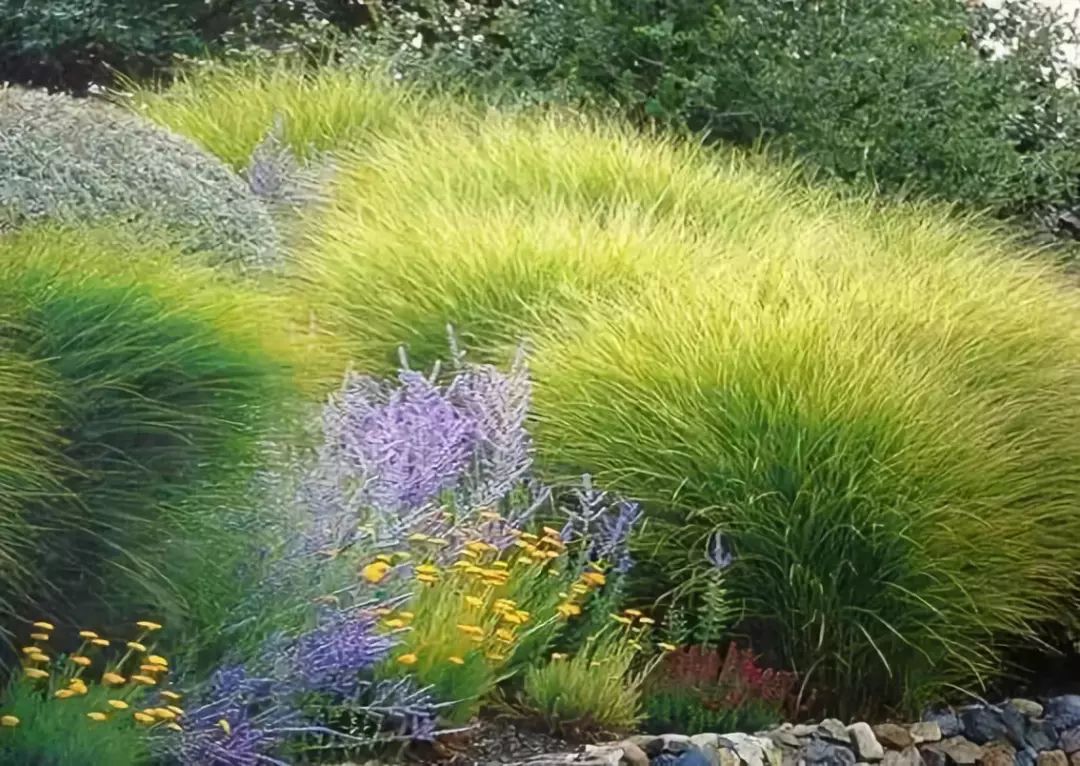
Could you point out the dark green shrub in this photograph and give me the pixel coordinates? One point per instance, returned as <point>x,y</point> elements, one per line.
<point>85,161</point>
<point>157,385</point>
<point>897,95</point>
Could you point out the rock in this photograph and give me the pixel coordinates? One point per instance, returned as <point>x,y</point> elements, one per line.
<point>834,730</point>
<point>1026,757</point>
<point>957,750</point>
<point>1063,712</point>
<point>722,756</point>
<point>908,756</point>
<point>632,755</point>
<point>925,731</point>
<point>665,759</point>
<point>754,751</point>
<point>932,757</point>
<point>866,745</point>
<point>892,736</point>
<point>1053,758</point>
<point>1015,724</point>
<point>947,721</point>
<point>1041,735</point>
<point>1070,740</point>
<point>644,741</point>
<point>652,746</point>
<point>1027,707</point>
<point>982,724</point>
<point>785,738</point>
<point>818,752</point>
<point>703,740</point>
<point>693,757</point>
<point>803,729</point>
<point>602,755</point>
<point>998,754</point>
<point>1074,759</point>
<point>675,743</point>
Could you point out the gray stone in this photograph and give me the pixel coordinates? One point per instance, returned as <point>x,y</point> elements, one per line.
<point>803,729</point>
<point>675,743</point>
<point>1030,708</point>
<point>925,731</point>
<point>722,756</point>
<point>834,730</point>
<point>982,724</point>
<point>693,757</point>
<point>818,752</point>
<point>866,745</point>
<point>603,755</point>
<point>1064,711</point>
<point>643,740</point>
<point>933,757</point>
<point>1053,758</point>
<point>947,721</point>
<point>1026,757</point>
<point>754,751</point>
<point>785,738</point>
<point>632,755</point>
<point>1041,735</point>
<point>702,740</point>
<point>957,750</point>
<point>1070,740</point>
<point>909,756</point>
<point>998,754</point>
<point>1074,759</point>
<point>1015,724</point>
<point>892,736</point>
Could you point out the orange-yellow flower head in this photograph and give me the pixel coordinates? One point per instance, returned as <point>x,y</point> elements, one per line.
<point>375,572</point>
<point>41,625</point>
<point>9,721</point>
<point>407,659</point>
<point>147,625</point>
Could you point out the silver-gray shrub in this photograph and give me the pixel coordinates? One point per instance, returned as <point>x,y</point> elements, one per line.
<point>85,161</point>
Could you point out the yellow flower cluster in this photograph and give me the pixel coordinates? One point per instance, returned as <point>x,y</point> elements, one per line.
<point>65,678</point>
<point>468,610</point>
<point>589,581</point>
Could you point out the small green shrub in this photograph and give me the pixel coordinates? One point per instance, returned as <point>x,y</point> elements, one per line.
<point>882,418</point>
<point>83,161</point>
<point>896,95</point>
<point>158,383</point>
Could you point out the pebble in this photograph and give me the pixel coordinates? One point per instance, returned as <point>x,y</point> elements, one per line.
<point>834,730</point>
<point>1064,711</point>
<point>982,724</point>
<point>1053,758</point>
<point>1029,708</point>
<point>705,740</point>
<point>818,752</point>
<point>693,757</point>
<point>866,745</point>
<point>893,736</point>
<point>632,755</point>
<point>998,754</point>
<point>1070,740</point>
<point>960,751</point>
<point>925,731</point>
<point>909,756</point>
<point>1041,735</point>
<point>946,720</point>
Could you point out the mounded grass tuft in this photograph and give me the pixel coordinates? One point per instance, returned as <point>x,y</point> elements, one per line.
<point>884,425</point>
<point>491,223</point>
<point>141,393</point>
<point>229,108</point>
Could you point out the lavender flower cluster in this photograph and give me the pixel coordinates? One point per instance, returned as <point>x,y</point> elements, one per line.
<point>422,456</point>
<point>605,523</point>
<point>246,719</point>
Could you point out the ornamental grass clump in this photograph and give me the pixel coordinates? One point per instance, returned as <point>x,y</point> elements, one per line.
<point>495,224</point>
<point>106,701</point>
<point>881,421</point>
<point>141,392</point>
<point>597,690</point>
<point>88,162</point>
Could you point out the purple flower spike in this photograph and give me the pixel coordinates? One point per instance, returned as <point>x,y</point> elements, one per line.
<point>330,659</point>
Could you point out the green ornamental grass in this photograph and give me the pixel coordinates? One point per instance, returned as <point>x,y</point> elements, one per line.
<point>884,427</point>
<point>145,390</point>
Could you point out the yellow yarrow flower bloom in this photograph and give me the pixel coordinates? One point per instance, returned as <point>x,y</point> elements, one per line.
<point>632,612</point>
<point>667,647</point>
<point>145,680</point>
<point>647,621</point>
<point>40,636</point>
<point>172,725</point>
<point>39,657</point>
<point>173,696</point>
<point>395,623</point>
<point>81,661</point>
<point>114,679</point>
<point>147,625</point>
<point>144,718</point>
<point>87,634</point>
<point>100,642</point>
<point>157,659</point>
<point>427,579</point>
<point>35,673</point>
<point>96,716</point>
<point>474,601</point>
<point>118,704</point>
<point>375,572</point>
<point>471,630</point>
<point>594,578</point>
<point>64,694</point>
<point>456,660</point>
<point>44,626</point>
<point>136,646</point>
<point>407,659</point>
<point>31,649</point>
<point>9,720</point>
<point>175,709</point>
